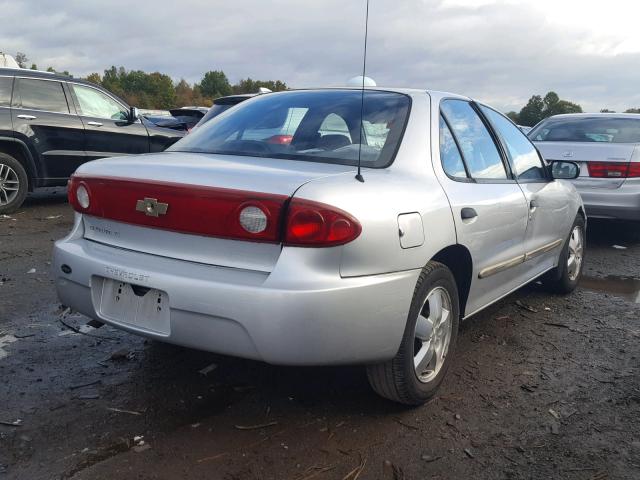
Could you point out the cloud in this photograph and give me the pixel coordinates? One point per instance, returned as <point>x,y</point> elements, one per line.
<point>498,51</point>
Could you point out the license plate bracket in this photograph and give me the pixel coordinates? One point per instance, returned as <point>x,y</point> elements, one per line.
<point>140,307</point>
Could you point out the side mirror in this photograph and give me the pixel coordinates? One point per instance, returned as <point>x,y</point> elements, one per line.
<point>134,114</point>
<point>563,170</point>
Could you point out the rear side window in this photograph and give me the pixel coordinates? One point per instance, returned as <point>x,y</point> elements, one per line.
<point>523,155</point>
<point>42,95</point>
<point>449,153</point>
<point>6,86</point>
<point>478,148</point>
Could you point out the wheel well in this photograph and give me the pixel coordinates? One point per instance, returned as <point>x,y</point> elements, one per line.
<point>458,259</point>
<point>16,151</point>
<point>581,213</point>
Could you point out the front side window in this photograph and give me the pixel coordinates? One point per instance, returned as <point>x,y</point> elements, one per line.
<point>94,103</point>
<point>478,148</point>
<point>449,153</point>
<point>318,126</point>
<point>588,130</point>
<point>6,86</point>
<point>524,157</point>
<point>42,95</point>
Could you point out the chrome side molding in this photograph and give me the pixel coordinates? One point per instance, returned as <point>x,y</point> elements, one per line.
<point>502,266</point>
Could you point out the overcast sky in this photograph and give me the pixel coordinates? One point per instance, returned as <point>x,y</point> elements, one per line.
<point>497,51</point>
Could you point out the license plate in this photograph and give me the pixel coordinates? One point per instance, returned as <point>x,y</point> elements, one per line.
<point>141,307</point>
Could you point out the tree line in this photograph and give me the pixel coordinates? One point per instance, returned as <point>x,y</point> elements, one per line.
<point>157,90</point>
<point>538,108</point>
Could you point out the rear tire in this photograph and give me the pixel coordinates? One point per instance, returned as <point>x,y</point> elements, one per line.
<point>14,184</point>
<point>414,375</point>
<point>565,277</point>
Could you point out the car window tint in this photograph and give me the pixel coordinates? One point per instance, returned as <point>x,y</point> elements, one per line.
<point>43,95</point>
<point>449,153</point>
<point>6,85</point>
<point>602,129</point>
<point>524,157</point>
<point>316,126</point>
<point>94,103</point>
<point>478,149</point>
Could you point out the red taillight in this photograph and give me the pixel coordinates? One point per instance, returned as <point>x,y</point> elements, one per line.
<point>313,224</point>
<point>213,211</point>
<point>280,139</point>
<point>634,170</point>
<point>210,211</point>
<point>608,169</point>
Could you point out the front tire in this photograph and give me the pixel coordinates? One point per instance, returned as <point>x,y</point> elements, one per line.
<point>14,184</point>
<point>565,277</point>
<point>414,375</point>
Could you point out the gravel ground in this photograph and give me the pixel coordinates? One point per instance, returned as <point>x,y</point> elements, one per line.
<point>542,387</point>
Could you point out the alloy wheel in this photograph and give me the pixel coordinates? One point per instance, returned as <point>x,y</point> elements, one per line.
<point>576,253</point>
<point>432,334</point>
<point>9,184</point>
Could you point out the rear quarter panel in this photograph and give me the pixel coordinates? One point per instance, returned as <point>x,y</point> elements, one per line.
<point>408,185</point>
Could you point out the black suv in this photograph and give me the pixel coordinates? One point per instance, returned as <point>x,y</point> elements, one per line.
<point>50,124</point>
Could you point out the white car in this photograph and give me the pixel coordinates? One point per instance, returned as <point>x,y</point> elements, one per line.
<point>278,251</point>
<point>607,148</point>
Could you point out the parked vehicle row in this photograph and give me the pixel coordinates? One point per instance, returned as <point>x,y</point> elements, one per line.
<point>51,124</point>
<point>252,236</point>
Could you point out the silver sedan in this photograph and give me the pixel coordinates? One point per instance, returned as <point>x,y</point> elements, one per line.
<point>607,147</point>
<point>254,236</point>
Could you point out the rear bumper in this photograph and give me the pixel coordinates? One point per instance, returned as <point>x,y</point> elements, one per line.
<point>622,203</point>
<point>307,318</point>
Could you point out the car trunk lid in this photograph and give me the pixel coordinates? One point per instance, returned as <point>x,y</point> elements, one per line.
<point>611,160</point>
<point>186,205</point>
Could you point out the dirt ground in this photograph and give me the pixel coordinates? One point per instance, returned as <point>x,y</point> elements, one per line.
<point>543,387</point>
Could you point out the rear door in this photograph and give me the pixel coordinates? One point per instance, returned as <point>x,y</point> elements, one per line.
<point>45,120</point>
<point>108,131</point>
<point>6,89</point>
<point>550,217</point>
<point>489,209</point>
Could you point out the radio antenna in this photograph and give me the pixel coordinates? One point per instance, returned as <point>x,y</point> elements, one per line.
<point>359,176</point>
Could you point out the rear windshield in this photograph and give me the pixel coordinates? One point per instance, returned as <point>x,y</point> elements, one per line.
<point>588,129</point>
<point>317,126</point>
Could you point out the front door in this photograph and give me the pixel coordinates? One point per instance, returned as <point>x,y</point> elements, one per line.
<point>488,206</point>
<point>108,130</point>
<point>44,119</point>
<point>549,211</point>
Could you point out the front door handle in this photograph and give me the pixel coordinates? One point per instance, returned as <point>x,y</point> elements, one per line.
<point>468,213</point>
<point>94,124</point>
<point>533,204</point>
<point>27,117</point>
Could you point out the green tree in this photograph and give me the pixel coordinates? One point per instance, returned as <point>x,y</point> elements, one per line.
<point>21,59</point>
<point>94,78</point>
<point>34,66</point>
<point>515,118</point>
<point>215,84</point>
<point>632,110</point>
<point>531,113</point>
<point>538,108</point>
<point>248,85</point>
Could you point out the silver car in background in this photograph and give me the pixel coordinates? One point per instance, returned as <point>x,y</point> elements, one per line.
<point>253,236</point>
<point>607,148</point>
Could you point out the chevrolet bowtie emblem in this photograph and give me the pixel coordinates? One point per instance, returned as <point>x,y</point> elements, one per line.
<point>151,207</point>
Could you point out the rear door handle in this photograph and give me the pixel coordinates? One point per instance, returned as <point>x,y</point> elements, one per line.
<point>533,204</point>
<point>468,213</point>
<point>27,117</point>
<point>94,124</point>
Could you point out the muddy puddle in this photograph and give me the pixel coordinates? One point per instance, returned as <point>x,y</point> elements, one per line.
<point>625,287</point>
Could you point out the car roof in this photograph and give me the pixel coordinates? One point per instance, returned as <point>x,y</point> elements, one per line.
<point>26,72</point>
<point>595,115</point>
